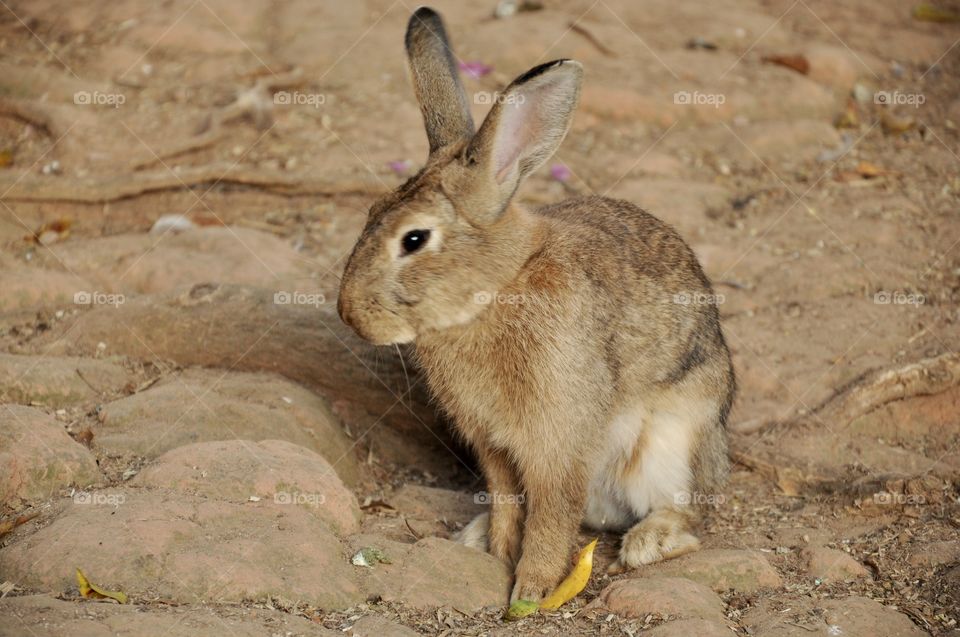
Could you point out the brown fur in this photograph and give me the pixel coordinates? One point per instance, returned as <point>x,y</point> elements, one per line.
<point>585,328</point>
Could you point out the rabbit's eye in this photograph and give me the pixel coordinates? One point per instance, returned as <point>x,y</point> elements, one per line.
<point>414,240</point>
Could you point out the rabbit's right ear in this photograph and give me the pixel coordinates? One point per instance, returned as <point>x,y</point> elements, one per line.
<point>436,80</point>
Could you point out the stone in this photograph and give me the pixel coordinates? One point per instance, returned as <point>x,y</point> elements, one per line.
<point>30,287</point>
<point>744,571</point>
<point>58,381</point>
<point>862,617</point>
<point>667,596</point>
<point>272,470</point>
<point>187,549</point>
<point>205,405</point>
<point>435,572</point>
<point>43,616</point>
<point>833,565</point>
<point>38,458</point>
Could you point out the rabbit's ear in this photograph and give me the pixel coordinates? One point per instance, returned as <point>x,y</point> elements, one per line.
<point>527,123</point>
<point>436,80</point>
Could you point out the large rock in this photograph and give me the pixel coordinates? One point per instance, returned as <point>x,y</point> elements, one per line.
<point>667,596</point>
<point>246,329</point>
<point>43,616</point>
<point>744,571</point>
<point>187,549</point>
<point>205,405</point>
<point>435,572</point>
<point>58,382</point>
<point>26,286</point>
<point>688,627</point>
<point>850,617</point>
<point>38,458</point>
<point>833,565</point>
<point>272,470</point>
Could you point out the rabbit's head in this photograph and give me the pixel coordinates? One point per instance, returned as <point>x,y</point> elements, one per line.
<point>434,250</point>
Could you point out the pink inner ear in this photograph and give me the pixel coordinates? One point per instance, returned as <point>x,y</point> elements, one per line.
<point>519,127</point>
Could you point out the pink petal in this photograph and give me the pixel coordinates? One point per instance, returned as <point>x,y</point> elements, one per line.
<point>560,172</point>
<point>475,69</point>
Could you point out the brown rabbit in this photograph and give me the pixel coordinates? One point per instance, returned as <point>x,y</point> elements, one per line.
<point>576,347</point>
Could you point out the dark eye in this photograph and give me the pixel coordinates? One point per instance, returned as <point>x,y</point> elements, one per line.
<point>414,240</point>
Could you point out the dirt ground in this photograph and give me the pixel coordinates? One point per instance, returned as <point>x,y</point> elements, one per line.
<point>185,418</point>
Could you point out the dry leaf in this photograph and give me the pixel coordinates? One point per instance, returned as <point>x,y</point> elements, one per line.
<point>92,591</point>
<point>796,62</point>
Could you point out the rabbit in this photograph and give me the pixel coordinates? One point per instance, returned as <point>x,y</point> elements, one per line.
<point>575,347</point>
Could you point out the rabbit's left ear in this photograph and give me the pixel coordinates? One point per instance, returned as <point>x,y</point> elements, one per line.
<point>527,123</point>
<point>436,80</point>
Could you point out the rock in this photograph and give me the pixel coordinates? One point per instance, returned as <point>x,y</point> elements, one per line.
<point>433,511</point>
<point>744,571</point>
<point>862,617</point>
<point>38,458</point>
<point>187,549</point>
<point>205,405</point>
<point>435,572</point>
<point>376,626</point>
<point>43,616</point>
<point>833,565</point>
<point>688,627</point>
<point>936,553</point>
<point>668,596</point>
<point>31,287</point>
<point>58,382</point>
<point>837,66</point>
<point>244,329</point>
<point>272,470</point>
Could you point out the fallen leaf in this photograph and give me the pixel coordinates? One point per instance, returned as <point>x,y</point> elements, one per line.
<point>929,13</point>
<point>92,591</point>
<point>575,582</point>
<point>8,525</point>
<point>520,609</point>
<point>6,158</point>
<point>796,62</point>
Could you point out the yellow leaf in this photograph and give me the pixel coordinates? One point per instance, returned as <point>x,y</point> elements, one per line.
<point>92,591</point>
<point>575,582</point>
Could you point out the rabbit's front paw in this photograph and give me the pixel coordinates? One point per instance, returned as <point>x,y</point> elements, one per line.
<point>533,584</point>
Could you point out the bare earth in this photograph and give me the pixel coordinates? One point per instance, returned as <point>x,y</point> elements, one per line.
<point>185,419</point>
